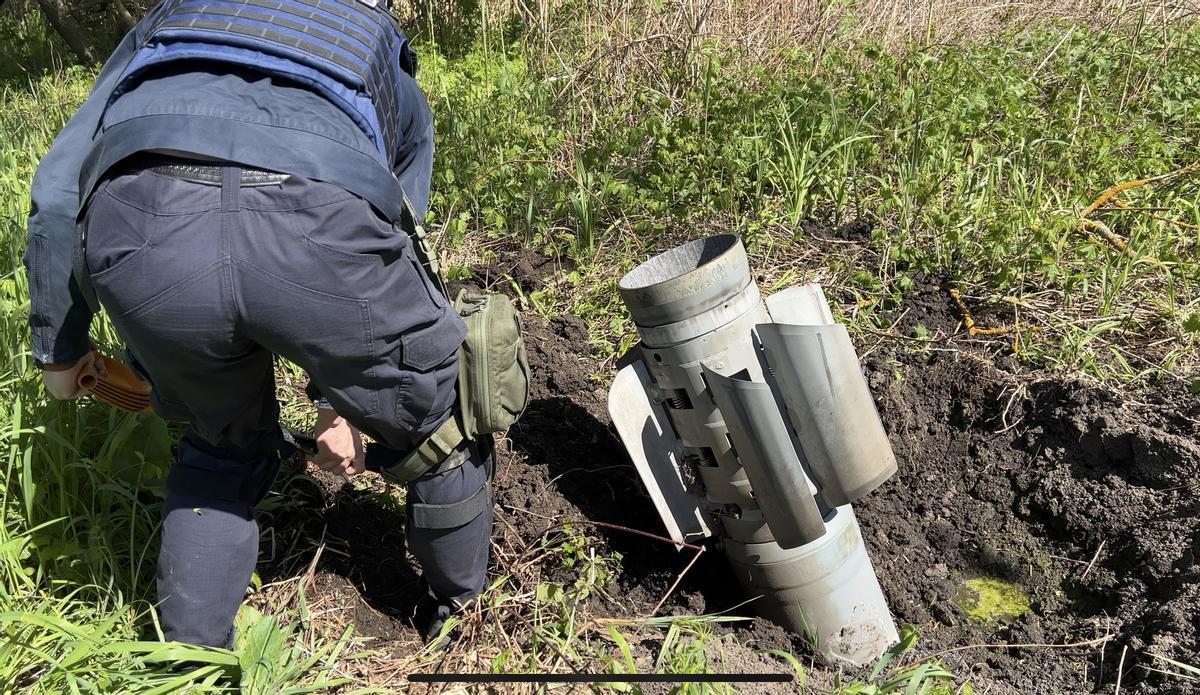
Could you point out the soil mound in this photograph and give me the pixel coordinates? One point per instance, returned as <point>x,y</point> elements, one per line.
<point>1082,498</point>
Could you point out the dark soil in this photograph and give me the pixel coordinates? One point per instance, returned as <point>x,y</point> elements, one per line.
<point>1085,498</point>
<point>573,467</point>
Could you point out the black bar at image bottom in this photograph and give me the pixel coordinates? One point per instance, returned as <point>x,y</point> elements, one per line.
<point>600,678</point>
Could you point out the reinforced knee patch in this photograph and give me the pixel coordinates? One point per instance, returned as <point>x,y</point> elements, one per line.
<point>443,498</point>
<point>450,524</point>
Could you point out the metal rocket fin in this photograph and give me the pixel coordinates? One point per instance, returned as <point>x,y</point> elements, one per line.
<point>830,406</point>
<point>764,448</point>
<point>804,305</point>
<point>652,445</point>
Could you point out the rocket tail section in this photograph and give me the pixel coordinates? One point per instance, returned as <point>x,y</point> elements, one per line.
<point>652,445</point>
<point>830,406</point>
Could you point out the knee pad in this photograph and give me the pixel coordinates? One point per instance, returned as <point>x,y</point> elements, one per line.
<point>225,474</point>
<point>455,493</point>
<point>450,525</point>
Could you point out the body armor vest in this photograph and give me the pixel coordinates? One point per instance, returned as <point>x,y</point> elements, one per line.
<point>349,51</point>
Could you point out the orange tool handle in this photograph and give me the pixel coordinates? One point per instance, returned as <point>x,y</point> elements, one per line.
<point>119,387</point>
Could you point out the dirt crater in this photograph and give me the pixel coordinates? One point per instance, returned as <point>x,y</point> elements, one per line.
<point>1083,497</point>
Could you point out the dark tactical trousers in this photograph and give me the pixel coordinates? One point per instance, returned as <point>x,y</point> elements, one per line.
<point>205,283</point>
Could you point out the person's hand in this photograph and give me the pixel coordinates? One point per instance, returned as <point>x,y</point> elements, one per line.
<point>62,380</point>
<point>339,446</point>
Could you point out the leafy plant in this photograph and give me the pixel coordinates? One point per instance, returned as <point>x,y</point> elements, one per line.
<point>927,677</point>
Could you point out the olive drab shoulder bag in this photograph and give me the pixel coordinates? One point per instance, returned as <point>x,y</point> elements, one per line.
<point>493,370</point>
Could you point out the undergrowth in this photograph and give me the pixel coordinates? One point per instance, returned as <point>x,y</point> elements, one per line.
<point>873,168</point>
<point>967,166</point>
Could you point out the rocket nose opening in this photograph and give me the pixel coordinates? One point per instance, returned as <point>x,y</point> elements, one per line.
<point>686,281</point>
<point>679,261</point>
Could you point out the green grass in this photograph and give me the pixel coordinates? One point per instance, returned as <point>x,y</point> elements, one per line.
<point>1177,669</point>
<point>970,162</point>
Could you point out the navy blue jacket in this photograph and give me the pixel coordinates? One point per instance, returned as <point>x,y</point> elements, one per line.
<point>213,112</point>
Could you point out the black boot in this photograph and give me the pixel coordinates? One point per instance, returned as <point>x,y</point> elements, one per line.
<point>430,616</point>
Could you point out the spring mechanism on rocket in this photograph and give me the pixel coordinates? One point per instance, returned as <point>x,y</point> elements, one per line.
<point>678,400</point>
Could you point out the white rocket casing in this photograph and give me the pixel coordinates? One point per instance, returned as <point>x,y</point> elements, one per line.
<point>653,446</point>
<point>719,429</point>
<point>826,591</point>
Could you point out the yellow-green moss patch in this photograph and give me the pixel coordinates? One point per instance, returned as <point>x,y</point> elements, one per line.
<point>988,600</point>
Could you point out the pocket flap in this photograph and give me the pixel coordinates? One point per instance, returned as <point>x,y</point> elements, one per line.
<point>432,345</point>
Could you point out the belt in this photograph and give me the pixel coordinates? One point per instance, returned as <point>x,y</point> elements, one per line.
<point>214,174</point>
<point>446,448</point>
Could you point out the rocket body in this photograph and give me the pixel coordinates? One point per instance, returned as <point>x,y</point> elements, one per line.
<point>750,421</point>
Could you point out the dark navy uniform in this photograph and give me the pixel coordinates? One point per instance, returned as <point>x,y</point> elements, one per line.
<point>235,211</point>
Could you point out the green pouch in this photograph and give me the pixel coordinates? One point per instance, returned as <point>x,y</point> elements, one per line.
<point>493,371</point>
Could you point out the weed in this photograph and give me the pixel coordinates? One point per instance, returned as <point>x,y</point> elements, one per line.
<point>965,160</point>
<point>1174,668</point>
<point>968,167</point>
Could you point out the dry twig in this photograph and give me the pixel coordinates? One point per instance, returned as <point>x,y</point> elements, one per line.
<point>1093,562</point>
<point>1121,669</point>
<point>1072,645</point>
<point>678,578</point>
